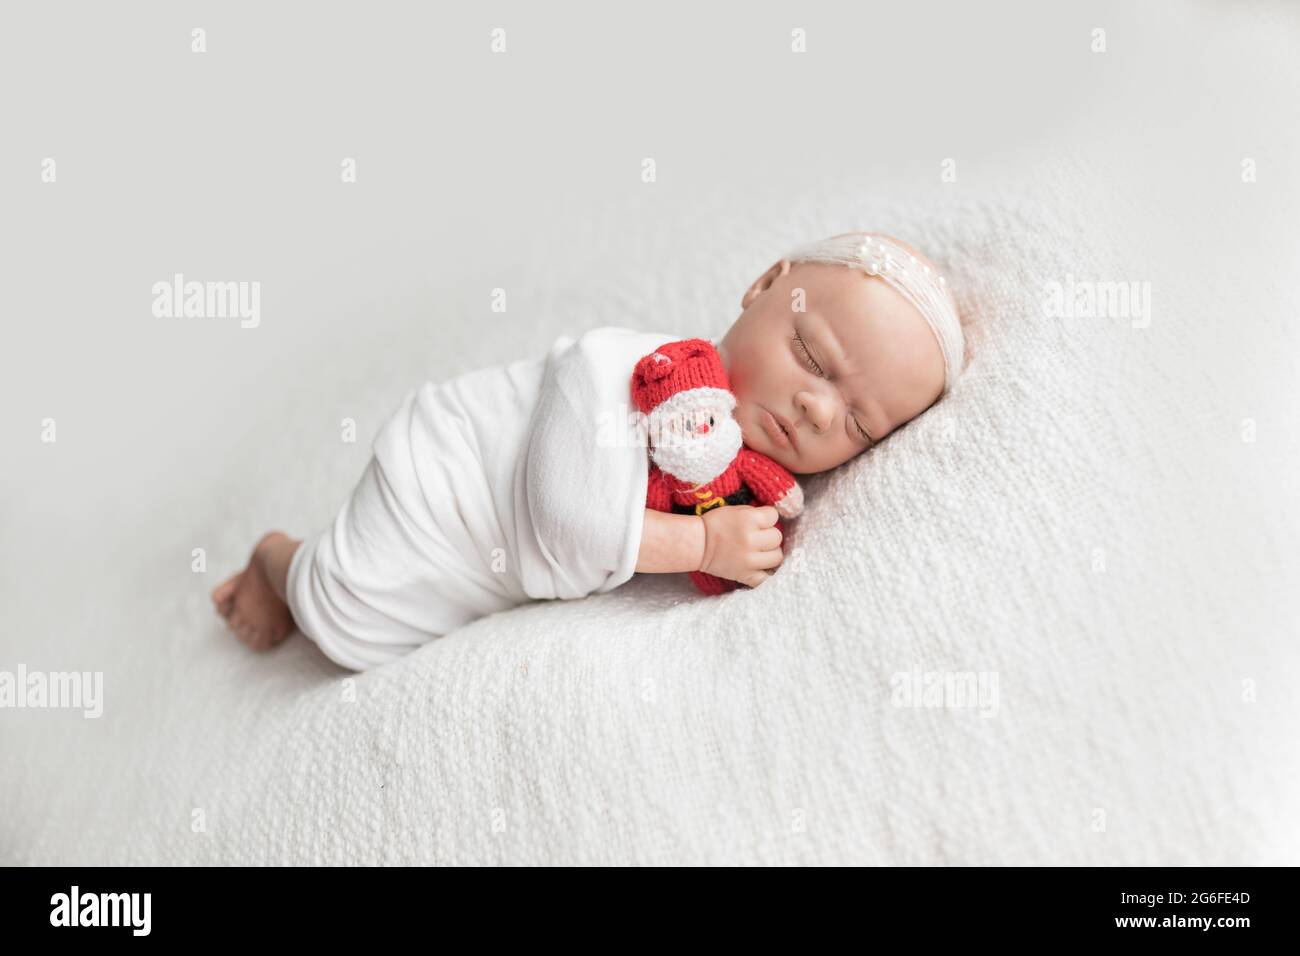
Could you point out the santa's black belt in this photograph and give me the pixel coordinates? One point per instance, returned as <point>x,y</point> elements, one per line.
<point>741,496</point>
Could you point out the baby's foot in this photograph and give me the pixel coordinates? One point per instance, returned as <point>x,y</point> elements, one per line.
<point>249,603</point>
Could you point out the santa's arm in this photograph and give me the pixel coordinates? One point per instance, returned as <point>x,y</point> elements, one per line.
<point>657,495</point>
<point>770,483</point>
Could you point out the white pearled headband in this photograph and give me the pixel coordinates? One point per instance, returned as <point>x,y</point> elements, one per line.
<point>925,289</point>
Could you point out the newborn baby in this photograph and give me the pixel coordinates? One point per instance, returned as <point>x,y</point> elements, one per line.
<point>516,483</point>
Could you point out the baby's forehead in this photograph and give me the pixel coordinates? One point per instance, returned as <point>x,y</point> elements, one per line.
<point>864,313</point>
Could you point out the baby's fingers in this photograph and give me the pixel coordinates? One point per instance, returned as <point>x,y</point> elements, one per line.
<point>754,578</point>
<point>769,559</point>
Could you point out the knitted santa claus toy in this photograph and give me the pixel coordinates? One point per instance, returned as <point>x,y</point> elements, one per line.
<point>698,461</point>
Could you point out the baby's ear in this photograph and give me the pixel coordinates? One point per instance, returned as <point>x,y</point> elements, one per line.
<point>764,282</point>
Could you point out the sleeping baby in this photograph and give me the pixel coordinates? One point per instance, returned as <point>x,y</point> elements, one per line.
<point>521,482</point>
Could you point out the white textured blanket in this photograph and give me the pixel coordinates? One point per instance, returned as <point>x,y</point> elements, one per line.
<point>1080,528</point>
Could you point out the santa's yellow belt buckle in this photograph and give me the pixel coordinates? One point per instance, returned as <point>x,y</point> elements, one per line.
<point>714,502</point>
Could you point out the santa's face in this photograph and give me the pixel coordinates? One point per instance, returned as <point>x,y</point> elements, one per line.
<point>693,436</point>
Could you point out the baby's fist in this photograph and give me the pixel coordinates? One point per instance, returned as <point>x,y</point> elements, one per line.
<point>741,543</point>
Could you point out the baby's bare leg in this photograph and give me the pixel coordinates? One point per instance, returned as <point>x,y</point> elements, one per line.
<point>253,601</point>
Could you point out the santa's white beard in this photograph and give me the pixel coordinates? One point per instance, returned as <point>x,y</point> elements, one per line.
<point>703,457</point>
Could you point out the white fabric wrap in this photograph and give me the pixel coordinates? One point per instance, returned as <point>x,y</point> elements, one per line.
<point>500,486</point>
<point>581,493</point>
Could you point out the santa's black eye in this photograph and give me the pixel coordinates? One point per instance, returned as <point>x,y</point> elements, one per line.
<point>710,420</point>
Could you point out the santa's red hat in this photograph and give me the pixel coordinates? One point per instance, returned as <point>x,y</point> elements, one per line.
<point>681,374</point>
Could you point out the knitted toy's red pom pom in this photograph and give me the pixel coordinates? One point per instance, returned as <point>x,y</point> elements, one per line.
<point>654,367</point>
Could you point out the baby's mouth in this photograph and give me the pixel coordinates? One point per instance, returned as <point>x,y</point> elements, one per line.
<point>774,428</point>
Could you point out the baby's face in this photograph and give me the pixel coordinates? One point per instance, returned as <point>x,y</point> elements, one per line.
<point>859,358</point>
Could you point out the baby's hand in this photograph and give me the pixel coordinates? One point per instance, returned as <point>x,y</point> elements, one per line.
<point>740,541</point>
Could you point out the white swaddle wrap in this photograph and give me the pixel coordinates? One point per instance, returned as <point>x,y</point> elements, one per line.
<point>489,490</point>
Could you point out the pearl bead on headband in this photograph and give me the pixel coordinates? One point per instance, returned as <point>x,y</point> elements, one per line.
<point>925,289</point>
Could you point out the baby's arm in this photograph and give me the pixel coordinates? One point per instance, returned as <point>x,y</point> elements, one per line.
<point>670,542</point>
<point>737,542</point>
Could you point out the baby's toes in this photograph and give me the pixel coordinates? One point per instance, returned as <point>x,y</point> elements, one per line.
<point>223,596</point>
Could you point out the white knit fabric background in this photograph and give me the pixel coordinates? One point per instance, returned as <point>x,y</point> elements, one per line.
<point>1081,515</point>
<point>653,725</point>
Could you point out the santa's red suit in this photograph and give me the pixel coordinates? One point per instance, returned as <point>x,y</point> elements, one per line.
<point>698,461</point>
